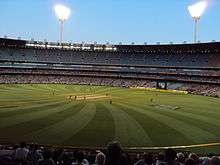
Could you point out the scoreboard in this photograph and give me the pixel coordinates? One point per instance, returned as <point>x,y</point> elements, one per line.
<point>161,85</point>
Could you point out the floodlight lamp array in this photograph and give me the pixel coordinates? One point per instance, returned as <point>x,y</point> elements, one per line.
<point>62,12</point>
<point>196,10</point>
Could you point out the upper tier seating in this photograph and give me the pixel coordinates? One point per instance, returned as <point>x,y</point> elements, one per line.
<point>113,58</point>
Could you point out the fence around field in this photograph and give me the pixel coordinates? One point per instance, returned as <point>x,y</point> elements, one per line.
<point>200,149</point>
<point>132,149</point>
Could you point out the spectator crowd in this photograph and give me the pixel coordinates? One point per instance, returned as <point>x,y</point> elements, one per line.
<point>114,154</point>
<point>199,89</point>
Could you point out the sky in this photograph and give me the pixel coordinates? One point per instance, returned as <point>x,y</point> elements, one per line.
<point>111,21</point>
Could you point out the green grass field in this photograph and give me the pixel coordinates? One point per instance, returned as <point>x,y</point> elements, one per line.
<point>45,114</point>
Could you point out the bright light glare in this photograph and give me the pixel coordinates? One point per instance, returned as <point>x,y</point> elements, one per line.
<point>197,9</point>
<point>62,12</point>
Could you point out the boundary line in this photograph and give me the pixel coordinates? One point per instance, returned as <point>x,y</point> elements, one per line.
<point>127,148</point>
<point>176,147</point>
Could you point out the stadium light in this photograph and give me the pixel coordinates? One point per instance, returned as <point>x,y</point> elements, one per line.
<point>196,11</point>
<point>63,14</point>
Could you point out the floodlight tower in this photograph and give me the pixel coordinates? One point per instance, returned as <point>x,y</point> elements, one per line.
<point>196,11</point>
<point>63,14</point>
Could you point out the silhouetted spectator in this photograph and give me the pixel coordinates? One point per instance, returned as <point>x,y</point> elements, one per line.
<point>190,161</point>
<point>47,155</point>
<point>147,160</point>
<point>215,160</point>
<point>34,155</point>
<point>194,157</point>
<point>21,153</point>
<point>180,158</point>
<point>170,158</point>
<point>160,158</point>
<point>115,155</point>
<point>80,159</point>
<point>100,159</point>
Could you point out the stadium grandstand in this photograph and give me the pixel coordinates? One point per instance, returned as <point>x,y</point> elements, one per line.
<point>191,67</point>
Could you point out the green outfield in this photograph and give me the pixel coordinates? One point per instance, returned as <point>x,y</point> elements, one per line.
<point>80,115</point>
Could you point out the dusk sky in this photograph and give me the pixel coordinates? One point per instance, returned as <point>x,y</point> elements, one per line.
<point>111,21</point>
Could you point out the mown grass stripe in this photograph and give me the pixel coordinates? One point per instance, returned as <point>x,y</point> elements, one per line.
<point>11,105</point>
<point>18,88</point>
<point>41,88</point>
<point>65,129</point>
<point>29,109</point>
<point>98,132</point>
<point>127,130</point>
<point>196,104</point>
<point>33,98</point>
<point>211,111</point>
<point>35,114</point>
<point>191,132</point>
<point>156,130</point>
<point>188,114</point>
<point>24,130</point>
<point>26,94</point>
<point>201,121</point>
